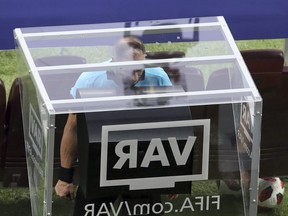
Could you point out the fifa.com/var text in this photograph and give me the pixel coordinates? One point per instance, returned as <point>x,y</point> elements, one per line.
<point>200,203</point>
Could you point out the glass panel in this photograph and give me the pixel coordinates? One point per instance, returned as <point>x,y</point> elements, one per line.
<point>214,176</point>
<point>35,126</point>
<point>193,41</point>
<point>160,124</point>
<point>190,51</point>
<point>187,79</point>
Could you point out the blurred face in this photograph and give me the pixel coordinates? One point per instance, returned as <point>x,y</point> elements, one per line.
<point>130,54</point>
<point>136,74</point>
<point>130,77</point>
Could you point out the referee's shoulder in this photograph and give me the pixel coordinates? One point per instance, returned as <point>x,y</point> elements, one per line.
<point>157,71</point>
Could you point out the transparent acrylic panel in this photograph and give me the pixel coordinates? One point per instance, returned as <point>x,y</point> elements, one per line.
<point>178,144</point>
<point>192,83</point>
<point>96,47</point>
<point>188,50</point>
<point>248,153</point>
<point>209,174</point>
<point>35,134</point>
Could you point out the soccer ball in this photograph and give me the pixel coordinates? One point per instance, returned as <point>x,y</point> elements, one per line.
<point>230,187</point>
<point>270,193</point>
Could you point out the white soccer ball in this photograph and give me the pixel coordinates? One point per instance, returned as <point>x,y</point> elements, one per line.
<point>230,187</point>
<point>270,193</point>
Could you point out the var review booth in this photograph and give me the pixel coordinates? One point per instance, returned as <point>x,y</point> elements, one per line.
<point>149,150</point>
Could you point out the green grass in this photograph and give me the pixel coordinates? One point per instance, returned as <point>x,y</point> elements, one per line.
<point>8,67</point>
<point>261,44</point>
<point>16,202</point>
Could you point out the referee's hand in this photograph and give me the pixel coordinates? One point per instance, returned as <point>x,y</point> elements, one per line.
<point>64,189</point>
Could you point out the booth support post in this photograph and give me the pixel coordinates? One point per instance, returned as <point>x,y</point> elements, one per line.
<point>286,52</point>
<point>255,154</point>
<point>49,166</point>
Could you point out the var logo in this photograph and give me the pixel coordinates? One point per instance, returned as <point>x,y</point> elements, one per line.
<point>153,155</point>
<point>155,145</point>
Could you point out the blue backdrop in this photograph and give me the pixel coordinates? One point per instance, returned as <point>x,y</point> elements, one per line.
<point>247,19</point>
